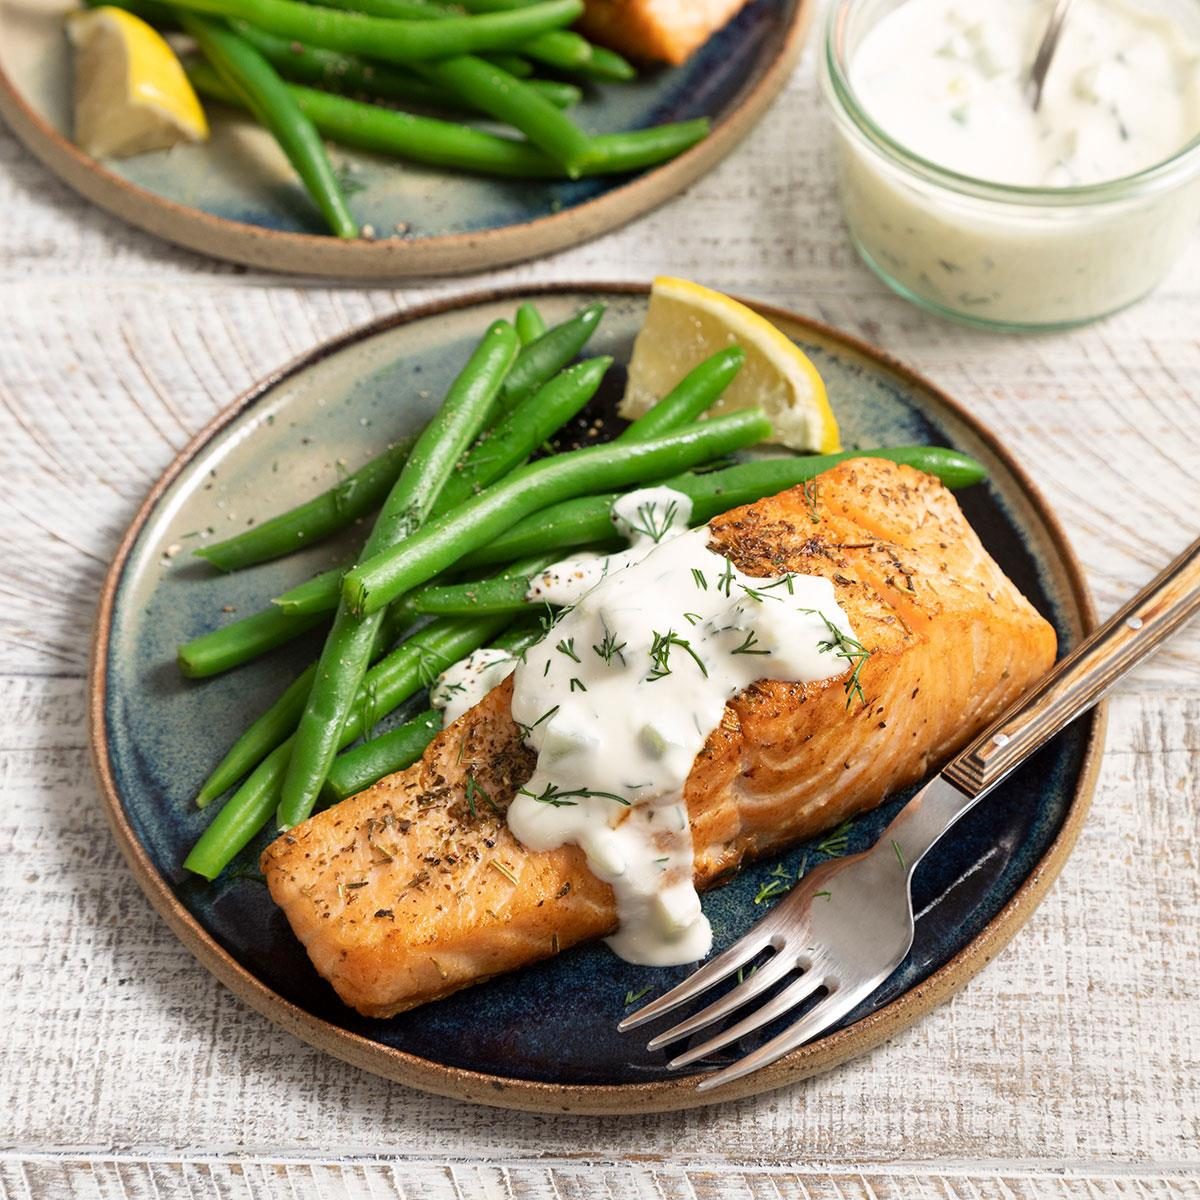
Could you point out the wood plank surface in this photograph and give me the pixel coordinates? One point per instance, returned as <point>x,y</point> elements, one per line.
<point>1070,1067</point>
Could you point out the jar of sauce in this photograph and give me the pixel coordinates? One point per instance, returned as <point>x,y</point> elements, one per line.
<point>967,200</point>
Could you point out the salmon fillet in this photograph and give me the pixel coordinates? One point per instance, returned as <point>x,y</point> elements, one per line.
<point>663,30</point>
<point>413,888</point>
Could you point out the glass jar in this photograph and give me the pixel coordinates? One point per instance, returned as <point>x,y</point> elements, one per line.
<point>996,255</point>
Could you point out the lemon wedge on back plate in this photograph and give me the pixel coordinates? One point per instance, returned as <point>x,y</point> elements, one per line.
<point>686,323</point>
<point>131,93</point>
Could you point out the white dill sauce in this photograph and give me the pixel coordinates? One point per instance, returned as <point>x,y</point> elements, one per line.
<point>464,684</point>
<point>949,80</point>
<point>622,693</point>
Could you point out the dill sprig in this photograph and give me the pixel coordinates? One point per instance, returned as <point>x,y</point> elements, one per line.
<point>725,582</point>
<point>849,648</point>
<point>835,843</point>
<point>475,792</point>
<point>810,492</point>
<point>747,646</point>
<point>660,654</point>
<point>567,647</point>
<point>526,730</point>
<point>651,524</point>
<point>558,797</point>
<point>610,647</point>
<point>698,578</point>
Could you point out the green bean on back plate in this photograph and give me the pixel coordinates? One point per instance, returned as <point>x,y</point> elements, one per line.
<point>248,73</point>
<point>395,40</point>
<point>441,143</point>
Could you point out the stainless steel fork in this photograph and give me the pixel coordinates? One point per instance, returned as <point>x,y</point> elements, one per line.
<point>849,923</point>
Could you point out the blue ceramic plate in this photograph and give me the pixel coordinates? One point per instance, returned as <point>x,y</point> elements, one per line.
<point>236,197</point>
<point>544,1037</point>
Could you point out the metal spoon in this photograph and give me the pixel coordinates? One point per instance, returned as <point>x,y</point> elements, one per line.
<point>1045,51</point>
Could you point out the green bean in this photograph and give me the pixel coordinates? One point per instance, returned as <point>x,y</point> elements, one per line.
<point>562,49</point>
<point>471,599</point>
<point>267,96</point>
<point>350,75</point>
<point>588,519</point>
<point>356,496</point>
<point>387,685</point>
<point>585,58</point>
<point>346,653</point>
<point>356,769</point>
<point>513,64</point>
<point>542,359</point>
<point>440,143</point>
<point>268,731</point>
<point>394,40</point>
<point>229,647</point>
<point>530,324</point>
<point>367,763</point>
<point>607,66</point>
<point>487,87</point>
<point>558,47</point>
<point>697,391</point>
<point>280,719</point>
<point>385,577</point>
<point>523,430</point>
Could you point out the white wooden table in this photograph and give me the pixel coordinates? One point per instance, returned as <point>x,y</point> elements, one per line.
<point>1071,1067</point>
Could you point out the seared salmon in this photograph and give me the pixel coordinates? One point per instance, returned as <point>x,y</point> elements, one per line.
<point>416,888</point>
<point>663,30</point>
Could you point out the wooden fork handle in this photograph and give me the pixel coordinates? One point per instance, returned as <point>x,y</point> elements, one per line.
<point>1083,677</point>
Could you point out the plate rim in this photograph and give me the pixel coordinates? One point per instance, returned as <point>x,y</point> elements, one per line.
<point>534,1095</point>
<point>326,256</point>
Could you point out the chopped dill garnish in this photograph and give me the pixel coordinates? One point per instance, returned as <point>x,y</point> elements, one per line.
<point>609,647</point>
<point>649,522</point>
<point>747,646</point>
<point>836,841</point>
<point>660,654</point>
<point>699,580</point>
<point>475,792</point>
<point>725,583</point>
<point>567,647</point>
<point>849,648</point>
<point>577,685</point>
<point>526,730</point>
<point>827,895</point>
<point>810,491</point>
<point>692,618</point>
<point>899,855</point>
<point>634,997</point>
<point>558,797</point>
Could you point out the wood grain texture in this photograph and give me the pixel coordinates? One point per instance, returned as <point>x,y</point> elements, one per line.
<point>1070,1067</point>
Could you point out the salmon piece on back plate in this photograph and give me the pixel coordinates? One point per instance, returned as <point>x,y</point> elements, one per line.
<point>662,30</point>
<point>415,888</point>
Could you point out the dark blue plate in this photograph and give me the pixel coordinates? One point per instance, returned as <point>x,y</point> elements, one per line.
<point>235,196</point>
<point>544,1037</point>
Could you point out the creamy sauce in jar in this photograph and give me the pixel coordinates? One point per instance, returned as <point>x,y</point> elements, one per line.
<point>948,80</point>
<point>622,693</point>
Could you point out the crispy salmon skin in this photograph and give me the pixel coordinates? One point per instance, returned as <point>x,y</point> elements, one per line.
<point>415,887</point>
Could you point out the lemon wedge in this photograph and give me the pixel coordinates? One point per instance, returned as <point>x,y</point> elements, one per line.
<point>131,93</point>
<point>686,323</point>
